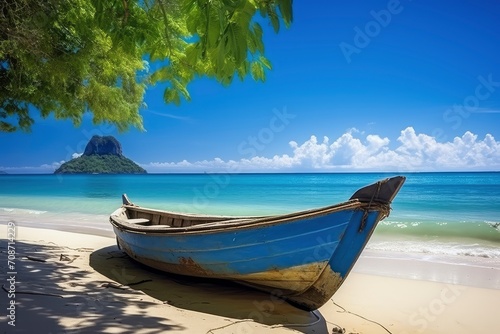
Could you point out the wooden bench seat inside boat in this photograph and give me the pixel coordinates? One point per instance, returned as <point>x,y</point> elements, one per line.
<point>137,221</point>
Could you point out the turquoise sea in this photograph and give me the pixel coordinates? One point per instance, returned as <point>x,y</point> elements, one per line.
<point>434,213</point>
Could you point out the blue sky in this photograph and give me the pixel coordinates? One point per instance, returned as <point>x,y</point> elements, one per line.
<point>355,86</point>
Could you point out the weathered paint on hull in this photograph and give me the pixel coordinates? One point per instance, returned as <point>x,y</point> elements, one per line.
<point>280,282</point>
<point>260,256</point>
<point>302,257</point>
<point>341,263</point>
<point>325,258</point>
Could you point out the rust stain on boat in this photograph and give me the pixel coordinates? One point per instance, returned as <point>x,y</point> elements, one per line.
<point>298,278</point>
<point>320,292</point>
<point>192,267</point>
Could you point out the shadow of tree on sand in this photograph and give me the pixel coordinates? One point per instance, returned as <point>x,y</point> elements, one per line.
<point>216,297</point>
<point>54,295</point>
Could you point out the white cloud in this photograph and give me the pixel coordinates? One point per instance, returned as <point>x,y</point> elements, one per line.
<point>42,169</point>
<point>355,152</point>
<point>352,151</point>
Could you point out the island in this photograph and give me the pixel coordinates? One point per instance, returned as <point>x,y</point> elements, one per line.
<point>102,155</point>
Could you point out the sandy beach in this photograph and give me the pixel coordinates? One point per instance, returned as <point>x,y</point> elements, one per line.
<point>67,282</point>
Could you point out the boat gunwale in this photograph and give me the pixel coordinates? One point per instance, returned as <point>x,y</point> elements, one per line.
<point>237,222</point>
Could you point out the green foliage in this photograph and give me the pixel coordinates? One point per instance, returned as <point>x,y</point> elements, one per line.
<point>68,57</point>
<point>102,164</point>
<point>64,63</point>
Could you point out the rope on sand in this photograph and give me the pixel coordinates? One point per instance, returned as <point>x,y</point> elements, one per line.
<point>345,311</point>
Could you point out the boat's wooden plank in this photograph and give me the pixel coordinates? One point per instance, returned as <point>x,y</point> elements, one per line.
<point>156,219</point>
<point>139,210</point>
<point>137,221</point>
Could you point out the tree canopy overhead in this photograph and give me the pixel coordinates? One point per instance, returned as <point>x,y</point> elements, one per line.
<point>68,57</point>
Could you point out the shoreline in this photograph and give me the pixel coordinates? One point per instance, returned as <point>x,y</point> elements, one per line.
<point>86,284</point>
<point>373,260</point>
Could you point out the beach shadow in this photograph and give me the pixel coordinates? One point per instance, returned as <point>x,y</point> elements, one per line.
<point>53,295</point>
<point>216,297</point>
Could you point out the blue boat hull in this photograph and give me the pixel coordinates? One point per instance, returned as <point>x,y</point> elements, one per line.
<point>302,257</point>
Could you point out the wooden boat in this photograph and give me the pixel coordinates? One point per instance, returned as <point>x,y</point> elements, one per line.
<point>302,257</point>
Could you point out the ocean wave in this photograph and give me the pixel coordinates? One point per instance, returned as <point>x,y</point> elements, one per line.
<point>437,248</point>
<point>35,212</point>
<point>23,211</point>
<point>444,230</point>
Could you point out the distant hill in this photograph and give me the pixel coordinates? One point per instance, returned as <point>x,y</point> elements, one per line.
<point>2,172</point>
<point>102,155</point>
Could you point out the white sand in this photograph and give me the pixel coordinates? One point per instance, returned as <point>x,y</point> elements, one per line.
<point>86,285</point>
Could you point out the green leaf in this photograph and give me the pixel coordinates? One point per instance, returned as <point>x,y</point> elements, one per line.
<point>236,42</point>
<point>274,20</point>
<point>285,7</point>
<point>214,27</point>
<point>181,89</point>
<point>265,62</point>
<point>172,96</point>
<point>257,72</point>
